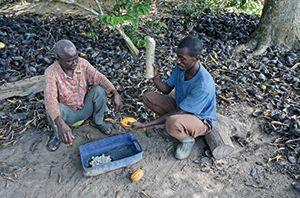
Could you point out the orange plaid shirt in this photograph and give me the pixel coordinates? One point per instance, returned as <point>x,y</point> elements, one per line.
<point>70,91</point>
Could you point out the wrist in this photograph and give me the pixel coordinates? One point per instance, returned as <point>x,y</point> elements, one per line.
<point>155,78</point>
<point>114,92</point>
<point>58,120</point>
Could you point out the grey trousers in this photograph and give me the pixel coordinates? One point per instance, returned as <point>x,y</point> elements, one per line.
<point>94,104</point>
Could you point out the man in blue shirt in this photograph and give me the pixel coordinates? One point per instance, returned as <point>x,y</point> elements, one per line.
<point>193,111</point>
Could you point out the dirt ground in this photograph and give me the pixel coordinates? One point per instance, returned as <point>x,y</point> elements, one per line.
<point>35,172</point>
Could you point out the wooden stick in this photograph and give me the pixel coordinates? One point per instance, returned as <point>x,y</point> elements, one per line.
<point>150,53</point>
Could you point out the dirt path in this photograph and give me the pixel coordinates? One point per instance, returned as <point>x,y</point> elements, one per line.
<point>29,170</point>
<point>245,173</point>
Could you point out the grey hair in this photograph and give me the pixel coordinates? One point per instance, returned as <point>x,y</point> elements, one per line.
<point>60,46</point>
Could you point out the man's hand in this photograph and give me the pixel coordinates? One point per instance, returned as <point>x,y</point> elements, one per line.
<point>161,85</point>
<point>155,74</point>
<point>117,101</point>
<point>134,125</point>
<point>64,131</point>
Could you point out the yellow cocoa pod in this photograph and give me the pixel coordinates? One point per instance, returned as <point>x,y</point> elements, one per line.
<point>128,119</point>
<point>137,175</point>
<point>2,45</point>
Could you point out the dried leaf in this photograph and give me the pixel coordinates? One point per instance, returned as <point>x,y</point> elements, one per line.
<point>64,166</point>
<point>59,178</point>
<point>9,178</point>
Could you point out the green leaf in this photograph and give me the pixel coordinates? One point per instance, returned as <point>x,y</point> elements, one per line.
<point>128,28</point>
<point>114,13</point>
<point>116,7</point>
<point>129,32</point>
<point>141,42</point>
<point>97,23</point>
<point>131,36</point>
<point>120,20</point>
<point>135,23</point>
<point>262,84</point>
<point>126,17</point>
<point>108,19</point>
<point>145,10</point>
<point>128,6</point>
<point>243,2</point>
<point>134,40</point>
<point>114,20</point>
<point>149,2</point>
<point>139,10</point>
<point>147,6</point>
<point>136,6</point>
<point>130,14</point>
<point>162,24</point>
<point>146,37</point>
<point>103,17</point>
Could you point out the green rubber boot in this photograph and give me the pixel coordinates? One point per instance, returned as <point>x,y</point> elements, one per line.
<point>184,149</point>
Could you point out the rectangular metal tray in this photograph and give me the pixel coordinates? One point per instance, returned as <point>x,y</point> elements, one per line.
<point>123,150</point>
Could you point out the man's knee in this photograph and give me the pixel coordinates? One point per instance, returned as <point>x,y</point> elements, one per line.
<point>99,90</point>
<point>172,122</point>
<point>147,98</point>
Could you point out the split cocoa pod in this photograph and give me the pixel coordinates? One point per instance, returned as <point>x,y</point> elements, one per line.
<point>137,175</point>
<point>128,119</point>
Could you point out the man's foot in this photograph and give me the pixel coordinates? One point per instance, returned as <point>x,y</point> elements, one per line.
<point>104,128</point>
<point>53,144</point>
<point>185,148</point>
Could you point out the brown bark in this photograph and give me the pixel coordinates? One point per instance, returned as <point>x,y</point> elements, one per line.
<point>279,26</point>
<point>22,87</point>
<point>219,140</point>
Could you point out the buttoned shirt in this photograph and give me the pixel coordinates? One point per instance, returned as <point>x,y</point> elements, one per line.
<point>70,91</point>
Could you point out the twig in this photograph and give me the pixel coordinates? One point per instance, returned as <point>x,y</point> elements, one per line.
<point>248,184</point>
<point>146,194</point>
<point>117,194</point>
<point>99,6</point>
<point>170,147</point>
<point>51,172</point>
<point>64,166</point>
<point>129,43</point>
<point>160,135</point>
<point>33,148</point>
<point>59,178</point>
<point>294,140</point>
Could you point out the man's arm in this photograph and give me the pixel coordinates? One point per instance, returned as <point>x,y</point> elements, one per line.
<point>64,131</point>
<point>159,121</point>
<point>161,85</point>
<point>117,101</point>
<point>97,78</point>
<point>52,107</point>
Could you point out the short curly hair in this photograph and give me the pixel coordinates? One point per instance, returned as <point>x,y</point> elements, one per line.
<point>60,47</point>
<point>193,44</point>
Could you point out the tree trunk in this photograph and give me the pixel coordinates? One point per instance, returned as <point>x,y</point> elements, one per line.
<point>279,26</point>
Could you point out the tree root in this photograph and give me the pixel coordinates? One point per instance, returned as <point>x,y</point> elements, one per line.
<point>257,45</point>
<point>250,45</point>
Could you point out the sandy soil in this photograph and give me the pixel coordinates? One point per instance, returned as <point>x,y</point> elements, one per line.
<point>36,172</point>
<point>29,170</point>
